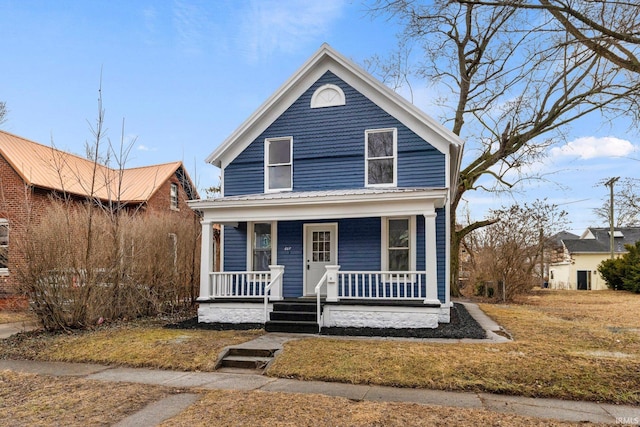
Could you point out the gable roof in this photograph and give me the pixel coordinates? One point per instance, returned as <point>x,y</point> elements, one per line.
<point>563,235</point>
<point>597,240</point>
<point>327,59</point>
<point>48,168</point>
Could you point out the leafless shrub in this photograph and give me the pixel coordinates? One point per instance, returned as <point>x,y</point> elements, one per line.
<point>506,258</point>
<point>145,268</point>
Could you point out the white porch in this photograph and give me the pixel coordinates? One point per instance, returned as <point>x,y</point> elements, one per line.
<point>393,299</point>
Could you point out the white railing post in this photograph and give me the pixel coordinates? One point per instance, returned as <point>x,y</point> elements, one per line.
<point>332,282</point>
<point>206,262</point>
<point>276,289</point>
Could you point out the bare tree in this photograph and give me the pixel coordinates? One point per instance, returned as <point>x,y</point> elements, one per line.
<point>3,112</point>
<point>608,28</point>
<point>513,88</point>
<point>626,204</point>
<point>92,258</point>
<point>507,255</point>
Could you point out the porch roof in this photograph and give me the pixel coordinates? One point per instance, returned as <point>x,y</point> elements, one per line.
<point>346,203</point>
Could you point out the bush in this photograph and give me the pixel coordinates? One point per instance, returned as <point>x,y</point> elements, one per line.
<point>83,265</point>
<point>624,272</point>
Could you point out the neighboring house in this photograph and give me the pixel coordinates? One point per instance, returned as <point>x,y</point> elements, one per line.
<point>576,266</point>
<point>336,186</point>
<point>31,174</point>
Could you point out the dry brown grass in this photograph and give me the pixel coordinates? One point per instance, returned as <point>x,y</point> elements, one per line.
<point>32,400</point>
<point>136,345</point>
<point>242,408</point>
<point>570,345</point>
<point>27,399</point>
<point>148,347</point>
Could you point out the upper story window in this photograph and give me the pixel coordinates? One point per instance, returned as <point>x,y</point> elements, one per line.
<point>327,96</point>
<point>174,196</point>
<point>4,246</point>
<point>381,157</point>
<point>278,164</point>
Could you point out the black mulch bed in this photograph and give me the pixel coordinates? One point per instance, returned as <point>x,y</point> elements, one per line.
<point>192,323</point>
<point>462,325</point>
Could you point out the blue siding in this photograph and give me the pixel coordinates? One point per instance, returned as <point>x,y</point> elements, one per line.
<point>359,244</point>
<point>235,247</point>
<point>290,236</point>
<point>332,139</point>
<point>441,239</point>
<point>420,255</point>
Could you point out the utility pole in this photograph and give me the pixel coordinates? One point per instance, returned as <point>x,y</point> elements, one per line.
<point>610,184</point>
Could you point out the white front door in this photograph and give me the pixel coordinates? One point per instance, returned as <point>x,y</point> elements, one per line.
<point>320,249</point>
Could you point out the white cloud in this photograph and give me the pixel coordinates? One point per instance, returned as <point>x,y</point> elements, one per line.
<point>268,26</point>
<point>143,147</point>
<point>591,147</point>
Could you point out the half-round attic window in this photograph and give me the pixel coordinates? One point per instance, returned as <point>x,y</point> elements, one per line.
<point>327,96</point>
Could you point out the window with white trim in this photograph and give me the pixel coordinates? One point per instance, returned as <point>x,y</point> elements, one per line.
<point>398,244</point>
<point>4,246</point>
<point>381,157</point>
<point>173,196</point>
<point>278,164</point>
<point>261,245</point>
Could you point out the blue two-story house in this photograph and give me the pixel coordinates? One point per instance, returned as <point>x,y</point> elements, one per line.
<point>335,201</point>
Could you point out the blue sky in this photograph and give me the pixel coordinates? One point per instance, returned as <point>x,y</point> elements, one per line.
<point>184,74</point>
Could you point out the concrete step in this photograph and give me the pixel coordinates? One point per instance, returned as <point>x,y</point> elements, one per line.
<point>293,316</point>
<point>300,327</point>
<point>251,352</point>
<point>239,358</point>
<point>245,362</point>
<point>308,307</point>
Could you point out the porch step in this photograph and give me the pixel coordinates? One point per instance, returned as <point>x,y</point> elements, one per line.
<point>297,327</point>
<point>247,358</point>
<point>293,316</point>
<point>301,306</point>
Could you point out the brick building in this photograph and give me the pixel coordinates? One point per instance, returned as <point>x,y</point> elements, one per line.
<point>31,175</point>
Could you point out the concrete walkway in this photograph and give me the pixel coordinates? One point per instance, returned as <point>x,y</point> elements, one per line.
<point>155,413</point>
<point>8,329</point>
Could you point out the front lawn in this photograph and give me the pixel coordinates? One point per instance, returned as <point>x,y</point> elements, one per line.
<point>139,344</point>
<point>568,344</point>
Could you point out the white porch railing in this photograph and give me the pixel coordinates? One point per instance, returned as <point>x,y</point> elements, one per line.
<point>240,284</point>
<point>318,291</point>
<point>370,285</point>
<point>382,285</point>
<point>274,288</point>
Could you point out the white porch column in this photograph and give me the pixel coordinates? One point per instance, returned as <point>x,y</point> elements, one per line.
<point>332,282</point>
<point>206,260</point>
<point>276,290</point>
<point>431,258</point>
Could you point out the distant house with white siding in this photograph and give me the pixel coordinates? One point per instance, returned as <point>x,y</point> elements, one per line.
<point>577,266</point>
